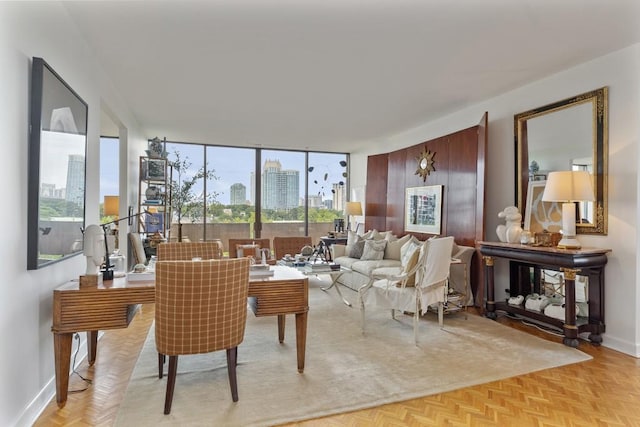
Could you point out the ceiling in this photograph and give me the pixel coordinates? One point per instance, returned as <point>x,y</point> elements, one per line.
<point>333,75</point>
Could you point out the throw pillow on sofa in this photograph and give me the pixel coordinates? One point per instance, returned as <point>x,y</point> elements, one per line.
<point>373,249</point>
<point>392,251</point>
<point>356,250</point>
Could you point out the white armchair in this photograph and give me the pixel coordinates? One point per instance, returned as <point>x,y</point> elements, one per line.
<point>392,292</point>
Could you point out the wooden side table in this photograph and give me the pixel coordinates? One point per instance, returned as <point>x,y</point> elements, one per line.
<point>328,241</point>
<point>524,259</point>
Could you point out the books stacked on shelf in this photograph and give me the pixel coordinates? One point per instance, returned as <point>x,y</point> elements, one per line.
<point>154,222</point>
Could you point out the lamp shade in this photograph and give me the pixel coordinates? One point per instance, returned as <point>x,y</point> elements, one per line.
<point>354,208</point>
<point>111,205</point>
<point>568,186</point>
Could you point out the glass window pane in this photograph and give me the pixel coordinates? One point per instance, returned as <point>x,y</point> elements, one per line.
<point>187,191</point>
<point>110,186</point>
<point>283,193</point>
<point>327,193</point>
<point>231,194</point>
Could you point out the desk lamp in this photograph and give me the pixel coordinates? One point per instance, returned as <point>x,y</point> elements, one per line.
<point>568,187</point>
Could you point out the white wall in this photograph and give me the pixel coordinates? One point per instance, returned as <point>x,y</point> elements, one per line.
<point>621,72</point>
<point>41,29</point>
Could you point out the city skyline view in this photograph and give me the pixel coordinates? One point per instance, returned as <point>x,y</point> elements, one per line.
<point>233,165</point>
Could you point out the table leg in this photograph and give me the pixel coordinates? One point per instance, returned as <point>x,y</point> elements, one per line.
<point>62,356</point>
<point>570,329</point>
<point>281,323</point>
<point>92,346</point>
<point>301,339</point>
<point>489,280</point>
<point>334,282</point>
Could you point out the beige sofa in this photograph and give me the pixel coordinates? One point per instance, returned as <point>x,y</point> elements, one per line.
<point>361,270</point>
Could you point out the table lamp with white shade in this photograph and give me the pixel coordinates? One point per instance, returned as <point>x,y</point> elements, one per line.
<point>568,187</point>
<point>353,209</point>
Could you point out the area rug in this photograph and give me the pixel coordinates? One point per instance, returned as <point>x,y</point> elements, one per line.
<point>344,371</point>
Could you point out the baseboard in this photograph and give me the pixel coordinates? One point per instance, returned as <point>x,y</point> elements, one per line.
<point>622,346</point>
<point>48,393</point>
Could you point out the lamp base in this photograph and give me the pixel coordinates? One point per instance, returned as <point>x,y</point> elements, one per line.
<point>107,275</point>
<point>569,242</point>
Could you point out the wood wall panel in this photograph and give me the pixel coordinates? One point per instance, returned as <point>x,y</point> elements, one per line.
<point>376,192</point>
<point>459,167</point>
<point>395,193</point>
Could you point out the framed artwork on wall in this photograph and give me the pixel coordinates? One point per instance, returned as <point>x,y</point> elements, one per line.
<point>541,215</point>
<point>423,209</point>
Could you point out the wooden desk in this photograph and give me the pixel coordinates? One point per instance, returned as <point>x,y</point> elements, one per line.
<point>113,304</point>
<point>525,259</point>
<point>286,292</point>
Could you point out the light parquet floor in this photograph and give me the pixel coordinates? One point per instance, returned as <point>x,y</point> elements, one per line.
<point>604,391</point>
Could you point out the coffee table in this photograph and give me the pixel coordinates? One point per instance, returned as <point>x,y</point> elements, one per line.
<point>335,275</point>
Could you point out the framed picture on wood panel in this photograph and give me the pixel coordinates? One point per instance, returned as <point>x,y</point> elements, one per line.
<point>423,209</point>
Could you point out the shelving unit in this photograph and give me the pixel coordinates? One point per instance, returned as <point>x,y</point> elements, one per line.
<point>154,197</point>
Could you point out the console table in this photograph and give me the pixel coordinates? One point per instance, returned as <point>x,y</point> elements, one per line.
<point>524,259</point>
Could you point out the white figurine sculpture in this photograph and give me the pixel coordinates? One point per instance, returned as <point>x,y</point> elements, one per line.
<point>93,248</point>
<point>510,232</point>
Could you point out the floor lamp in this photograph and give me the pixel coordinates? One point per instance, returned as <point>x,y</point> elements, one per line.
<point>568,187</point>
<point>353,209</point>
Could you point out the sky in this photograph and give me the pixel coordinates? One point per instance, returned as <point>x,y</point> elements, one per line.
<point>231,165</point>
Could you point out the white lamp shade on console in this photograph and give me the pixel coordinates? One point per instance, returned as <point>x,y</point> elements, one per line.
<point>568,187</point>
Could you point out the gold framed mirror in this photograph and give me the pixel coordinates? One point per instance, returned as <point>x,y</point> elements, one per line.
<point>571,134</point>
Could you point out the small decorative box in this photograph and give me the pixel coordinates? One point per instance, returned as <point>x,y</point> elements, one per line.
<point>546,238</point>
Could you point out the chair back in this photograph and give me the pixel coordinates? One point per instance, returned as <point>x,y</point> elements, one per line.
<point>290,245</point>
<point>175,251</point>
<point>233,246</point>
<point>200,306</point>
<point>435,260</point>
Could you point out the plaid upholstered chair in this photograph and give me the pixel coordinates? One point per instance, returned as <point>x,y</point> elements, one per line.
<point>289,245</point>
<point>201,307</point>
<point>186,251</point>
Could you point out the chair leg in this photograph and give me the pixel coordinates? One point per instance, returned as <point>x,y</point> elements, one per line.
<point>416,318</point>
<point>361,302</point>
<point>232,362</point>
<point>171,383</point>
<point>441,315</point>
<point>393,314</point>
<point>161,359</point>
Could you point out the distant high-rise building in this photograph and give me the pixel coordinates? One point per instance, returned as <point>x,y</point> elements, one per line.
<point>280,188</point>
<point>315,201</point>
<point>50,191</point>
<point>75,180</point>
<point>339,197</point>
<point>252,189</point>
<point>238,194</point>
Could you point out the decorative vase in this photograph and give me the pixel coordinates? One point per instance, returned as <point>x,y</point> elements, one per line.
<point>152,193</point>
